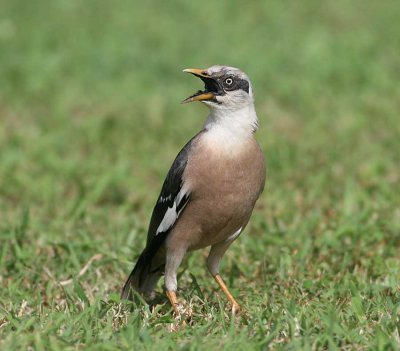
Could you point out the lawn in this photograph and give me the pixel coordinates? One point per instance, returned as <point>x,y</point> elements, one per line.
<point>90,121</point>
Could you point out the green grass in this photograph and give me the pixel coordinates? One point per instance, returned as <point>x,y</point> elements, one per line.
<point>90,121</point>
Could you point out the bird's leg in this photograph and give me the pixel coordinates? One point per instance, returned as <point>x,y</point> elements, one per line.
<point>173,261</point>
<point>173,300</point>
<point>221,283</point>
<point>213,262</point>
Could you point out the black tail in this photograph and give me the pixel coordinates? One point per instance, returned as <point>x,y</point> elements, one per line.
<point>132,282</point>
<point>142,278</point>
<point>148,269</point>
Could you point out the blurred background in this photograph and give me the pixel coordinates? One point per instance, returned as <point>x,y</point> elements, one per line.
<point>90,121</point>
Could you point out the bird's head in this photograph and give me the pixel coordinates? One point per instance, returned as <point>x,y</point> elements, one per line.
<point>225,88</point>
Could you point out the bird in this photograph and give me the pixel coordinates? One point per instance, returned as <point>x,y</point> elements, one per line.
<point>211,189</point>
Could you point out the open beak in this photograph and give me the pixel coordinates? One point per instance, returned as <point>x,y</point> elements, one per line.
<point>211,88</point>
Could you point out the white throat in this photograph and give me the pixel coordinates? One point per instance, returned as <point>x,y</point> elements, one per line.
<point>242,122</point>
<point>231,129</point>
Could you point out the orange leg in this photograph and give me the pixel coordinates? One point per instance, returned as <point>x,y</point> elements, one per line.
<point>174,301</point>
<point>178,311</point>
<point>221,283</point>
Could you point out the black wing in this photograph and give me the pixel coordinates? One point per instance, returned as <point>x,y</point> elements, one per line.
<point>173,198</point>
<point>171,202</point>
<point>174,195</point>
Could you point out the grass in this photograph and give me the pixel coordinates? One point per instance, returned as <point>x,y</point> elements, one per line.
<point>91,121</point>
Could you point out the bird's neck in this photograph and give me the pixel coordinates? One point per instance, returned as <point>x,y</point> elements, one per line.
<point>242,121</point>
<point>231,128</point>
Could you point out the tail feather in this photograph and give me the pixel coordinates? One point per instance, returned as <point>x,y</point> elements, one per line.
<point>141,279</point>
<point>132,283</point>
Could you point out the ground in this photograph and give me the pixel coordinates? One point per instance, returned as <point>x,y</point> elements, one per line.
<point>91,121</point>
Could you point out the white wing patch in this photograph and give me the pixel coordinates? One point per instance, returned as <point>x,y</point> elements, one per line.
<point>234,235</point>
<point>171,215</point>
<point>166,198</point>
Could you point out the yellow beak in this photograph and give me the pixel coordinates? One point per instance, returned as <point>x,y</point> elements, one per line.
<point>196,71</point>
<point>201,96</point>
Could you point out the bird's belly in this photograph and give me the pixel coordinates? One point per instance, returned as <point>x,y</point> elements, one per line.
<point>223,217</point>
<point>218,211</point>
<point>224,192</point>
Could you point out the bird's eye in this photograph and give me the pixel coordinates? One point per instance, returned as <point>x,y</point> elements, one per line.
<point>228,81</point>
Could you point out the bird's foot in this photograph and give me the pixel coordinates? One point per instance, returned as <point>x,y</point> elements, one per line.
<point>182,315</point>
<point>235,308</point>
<point>182,310</point>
